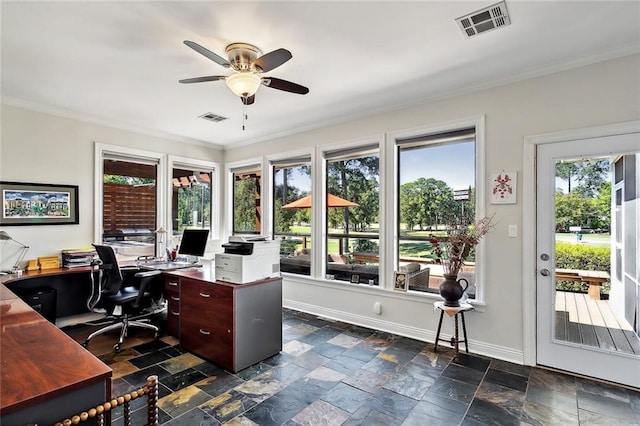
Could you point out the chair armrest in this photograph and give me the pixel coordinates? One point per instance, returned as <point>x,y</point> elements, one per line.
<point>147,274</point>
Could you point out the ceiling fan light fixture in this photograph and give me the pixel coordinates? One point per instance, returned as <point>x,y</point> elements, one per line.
<point>243,84</point>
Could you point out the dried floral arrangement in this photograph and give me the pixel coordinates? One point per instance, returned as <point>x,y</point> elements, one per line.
<point>451,251</point>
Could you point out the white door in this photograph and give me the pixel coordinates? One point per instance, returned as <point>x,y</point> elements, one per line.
<point>565,340</point>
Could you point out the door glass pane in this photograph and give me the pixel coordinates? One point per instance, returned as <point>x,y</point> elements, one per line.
<point>591,300</point>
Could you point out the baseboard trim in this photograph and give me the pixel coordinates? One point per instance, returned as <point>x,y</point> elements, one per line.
<point>475,346</point>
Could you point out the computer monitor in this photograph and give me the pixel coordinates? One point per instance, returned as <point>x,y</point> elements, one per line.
<point>194,242</point>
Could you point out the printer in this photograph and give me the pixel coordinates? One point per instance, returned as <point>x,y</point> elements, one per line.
<point>248,259</point>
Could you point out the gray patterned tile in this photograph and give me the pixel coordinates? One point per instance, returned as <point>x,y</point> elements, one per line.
<point>346,397</point>
<point>407,385</point>
<point>538,415</point>
<point>366,380</point>
<point>228,405</point>
<point>555,400</point>
<point>321,413</point>
<point>507,398</point>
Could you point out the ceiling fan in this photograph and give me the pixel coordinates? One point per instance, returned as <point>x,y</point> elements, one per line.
<point>248,62</point>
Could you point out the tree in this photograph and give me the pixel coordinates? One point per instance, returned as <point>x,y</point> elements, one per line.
<point>602,207</point>
<point>591,176</point>
<point>410,204</point>
<point>574,210</point>
<point>244,203</point>
<point>357,180</point>
<point>285,218</point>
<point>566,170</point>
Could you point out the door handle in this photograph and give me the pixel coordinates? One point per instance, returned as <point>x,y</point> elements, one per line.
<point>205,295</point>
<point>544,272</point>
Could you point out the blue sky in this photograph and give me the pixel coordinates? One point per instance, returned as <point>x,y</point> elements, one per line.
<point>11,194</point>
<point>453,164</point>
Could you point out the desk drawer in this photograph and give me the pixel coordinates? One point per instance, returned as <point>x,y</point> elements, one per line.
<point>211,341</point>
<point>172,284</point>
<point>172,293</point>
<point>208,302</point>
<point>173,314</point>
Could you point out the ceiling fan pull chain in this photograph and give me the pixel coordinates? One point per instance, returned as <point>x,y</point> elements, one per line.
<point>244,114</point>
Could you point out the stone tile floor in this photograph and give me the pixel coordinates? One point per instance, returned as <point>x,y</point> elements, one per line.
<point>333,373</point>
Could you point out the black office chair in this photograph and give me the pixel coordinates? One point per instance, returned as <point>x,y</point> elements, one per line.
<point>132,295</point>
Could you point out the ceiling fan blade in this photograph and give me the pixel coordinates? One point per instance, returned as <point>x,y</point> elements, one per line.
<point>248,100</point>
<point>202,79</point>
<point>287,86</point>
<point>206,52</point>
<point>272,60</point>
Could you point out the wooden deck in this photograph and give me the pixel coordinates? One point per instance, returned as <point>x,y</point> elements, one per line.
<point>580,319</point>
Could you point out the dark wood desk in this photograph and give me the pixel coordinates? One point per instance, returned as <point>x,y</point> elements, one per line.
<point>44,370</point>
<point>45,375</point>
<point>231,325</point>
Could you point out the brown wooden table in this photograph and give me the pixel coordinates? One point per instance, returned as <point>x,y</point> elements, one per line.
<point>44,374</point>
<point>593,278</point>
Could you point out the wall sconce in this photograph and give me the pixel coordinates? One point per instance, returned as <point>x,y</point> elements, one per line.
<point>21,254</point>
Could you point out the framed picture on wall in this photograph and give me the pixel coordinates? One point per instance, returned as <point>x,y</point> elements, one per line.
<point>38,204</point>
<point>503,188</point>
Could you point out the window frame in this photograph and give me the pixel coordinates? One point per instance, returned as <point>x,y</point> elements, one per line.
<point>366,146</point>
<point>103,152</point>
<point>392,183</point>
<point>174,161</point>
<point>231,169</point>
<point>348,152</point>
<point>294,158</point>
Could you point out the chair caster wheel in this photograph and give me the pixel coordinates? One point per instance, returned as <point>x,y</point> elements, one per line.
<point>156,336</point>
<point>117,347</point>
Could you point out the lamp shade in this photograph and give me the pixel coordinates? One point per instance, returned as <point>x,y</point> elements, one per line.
<point>243,83</point>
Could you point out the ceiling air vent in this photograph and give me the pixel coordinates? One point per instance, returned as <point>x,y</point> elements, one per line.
<point>213,117</point>
<point>484,20</point>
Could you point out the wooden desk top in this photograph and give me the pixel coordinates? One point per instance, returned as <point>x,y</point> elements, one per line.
<point>38,361</point>
<point>43,273</point>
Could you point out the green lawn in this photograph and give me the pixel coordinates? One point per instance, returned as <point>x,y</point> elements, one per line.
<point>423,249</point>
<point>602,240</point>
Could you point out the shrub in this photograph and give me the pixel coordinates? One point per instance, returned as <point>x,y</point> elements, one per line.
<point>289,246</point>
<point>579,256</point>
<point>367,246</point>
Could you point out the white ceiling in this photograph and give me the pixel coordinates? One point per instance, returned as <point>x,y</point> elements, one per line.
<point>119,62</point>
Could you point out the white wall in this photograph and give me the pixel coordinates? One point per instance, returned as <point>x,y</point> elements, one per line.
<point>599,94</point>
<point>43,148</point>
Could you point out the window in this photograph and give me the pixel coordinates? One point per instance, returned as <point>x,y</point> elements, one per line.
<point>352,224</point>
<point>128,200</point>
<point>436,191</point>
<point>191,206</point>
<point>292,213</point>
<point>247,212</point>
